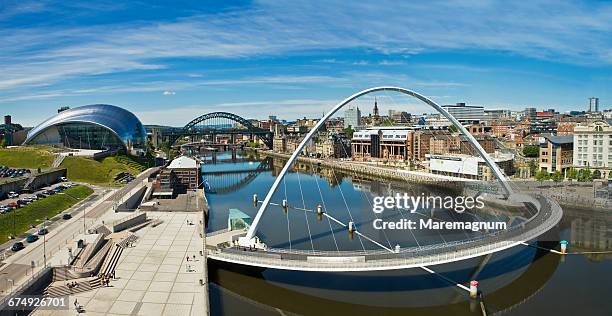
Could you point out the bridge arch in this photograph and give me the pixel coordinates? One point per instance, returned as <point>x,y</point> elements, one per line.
<point>191,127</point>
<point>490,163</point>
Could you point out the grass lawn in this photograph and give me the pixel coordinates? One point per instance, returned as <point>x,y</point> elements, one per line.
<point>101,172</point>
<point>19,220</point>
<point>26,157</point>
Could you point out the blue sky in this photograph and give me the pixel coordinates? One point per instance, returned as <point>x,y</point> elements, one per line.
<point>170,63</point>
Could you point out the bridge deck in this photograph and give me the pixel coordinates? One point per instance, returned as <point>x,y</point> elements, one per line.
<point>548,216</point>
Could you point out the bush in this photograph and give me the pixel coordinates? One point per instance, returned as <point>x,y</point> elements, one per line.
<point>531,151</point>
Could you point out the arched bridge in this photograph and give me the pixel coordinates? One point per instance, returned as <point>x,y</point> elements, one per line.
<point>221,123</point>
<point>231,246</point>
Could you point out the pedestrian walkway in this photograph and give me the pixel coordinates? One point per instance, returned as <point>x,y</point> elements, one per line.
<point>153,275</point>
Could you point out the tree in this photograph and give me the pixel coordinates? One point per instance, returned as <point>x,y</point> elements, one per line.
<point>150,149</point>
<point>572,174</point>
<point>585,175</point>
<point>542,175</point>
<point>557,176</point>
<point>610,175</point>
<point>531,151</point>
<point>349,132</point>
<point>453,129</point>
<point>596,174</point>
<point>533,167</point>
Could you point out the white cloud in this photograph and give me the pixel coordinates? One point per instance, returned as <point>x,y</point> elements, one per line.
<point>168,92</point>
<point>570,32</point>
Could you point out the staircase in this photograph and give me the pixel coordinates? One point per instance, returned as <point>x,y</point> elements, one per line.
<point>111,261</point>
<point>58,161</point>
<point>26,186</point>
<point>83,285</point>
<point>128,239</point>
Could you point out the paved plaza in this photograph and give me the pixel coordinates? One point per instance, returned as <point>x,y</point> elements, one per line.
<point>154,276</point>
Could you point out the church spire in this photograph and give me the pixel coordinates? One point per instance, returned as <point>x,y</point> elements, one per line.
<point>375,107</point>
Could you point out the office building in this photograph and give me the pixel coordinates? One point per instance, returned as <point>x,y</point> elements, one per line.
<point>466,114</point>
<point>352,118</point>
<point>593,104</point>
<point>556,153</point>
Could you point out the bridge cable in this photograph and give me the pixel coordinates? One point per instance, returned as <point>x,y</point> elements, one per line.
<point>305,214</point>
<point>331,230</point>
<point>347,206</point>
<point>287,215</point>
<point>364,195</point>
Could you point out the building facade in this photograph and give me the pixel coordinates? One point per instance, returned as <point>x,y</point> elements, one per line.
<point>593,146</point>
<point>97,126</point>
<point>187,171</point>
<point>556,153</point>
<point>466,114</point>
<point>352,118</point>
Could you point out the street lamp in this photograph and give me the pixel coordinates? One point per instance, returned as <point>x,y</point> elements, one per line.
<point>44,227</point>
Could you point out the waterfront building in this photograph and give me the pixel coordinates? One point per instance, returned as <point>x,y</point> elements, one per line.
<point>485,141</point>
<point>556,153</point>
<point>593,146</point>
<point>467,166</point>
<point>444,144</point>
<point>466,114</point>
<point>187,171</point>
<point>97,126</point>
<point>393,143</point>
<point>352,118</point>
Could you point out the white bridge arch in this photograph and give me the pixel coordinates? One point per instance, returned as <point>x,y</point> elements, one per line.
<point>248,239</point>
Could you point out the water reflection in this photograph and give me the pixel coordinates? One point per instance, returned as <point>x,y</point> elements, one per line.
<point>518,281</point>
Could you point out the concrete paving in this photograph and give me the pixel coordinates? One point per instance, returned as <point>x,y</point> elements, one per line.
<point>154,276</point>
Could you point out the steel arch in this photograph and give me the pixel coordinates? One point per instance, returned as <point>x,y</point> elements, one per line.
<point>491,164</point>
<point>260,133</point>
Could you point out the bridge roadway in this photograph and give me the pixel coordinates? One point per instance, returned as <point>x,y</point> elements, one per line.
<point>547,216</point>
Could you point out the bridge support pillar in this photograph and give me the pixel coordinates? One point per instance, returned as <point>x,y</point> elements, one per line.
<point>255,199</point>
<point>351,227</point>
<point>564,244</point>
<point>473,289</point>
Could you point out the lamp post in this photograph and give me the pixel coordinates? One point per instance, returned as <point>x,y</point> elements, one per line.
<point>45,243</point>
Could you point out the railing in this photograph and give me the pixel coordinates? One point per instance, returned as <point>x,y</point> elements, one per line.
<point>548,216</point>
<point>23,286</point>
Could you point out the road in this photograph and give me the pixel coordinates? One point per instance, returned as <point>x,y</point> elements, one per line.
<point>63,232</point>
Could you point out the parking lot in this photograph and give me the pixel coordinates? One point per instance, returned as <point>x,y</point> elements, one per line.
<point>6,172</point>
<point>15,200</point>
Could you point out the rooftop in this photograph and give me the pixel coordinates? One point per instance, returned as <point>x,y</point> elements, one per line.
<point>566,139</point>
<point>183,162</point>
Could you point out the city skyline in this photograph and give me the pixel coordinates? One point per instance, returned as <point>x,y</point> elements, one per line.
<point>169,64</point>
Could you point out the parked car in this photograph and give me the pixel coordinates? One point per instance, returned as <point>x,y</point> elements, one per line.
<point>13,195</point>
<point>43,231</point>
<point>40,196</point>
<point>31,238</point>
<point>63,179</point>
<point>17,246</point>
<point>66,216</point>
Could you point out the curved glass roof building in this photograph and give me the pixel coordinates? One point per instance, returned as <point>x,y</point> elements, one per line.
<point>96,126</point>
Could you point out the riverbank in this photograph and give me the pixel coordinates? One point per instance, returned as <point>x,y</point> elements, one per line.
<point>371,170</point>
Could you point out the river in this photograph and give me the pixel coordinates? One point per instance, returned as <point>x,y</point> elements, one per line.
<point>519,281</point>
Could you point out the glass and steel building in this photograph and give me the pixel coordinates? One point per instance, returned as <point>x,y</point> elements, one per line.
<point>96,126</point>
